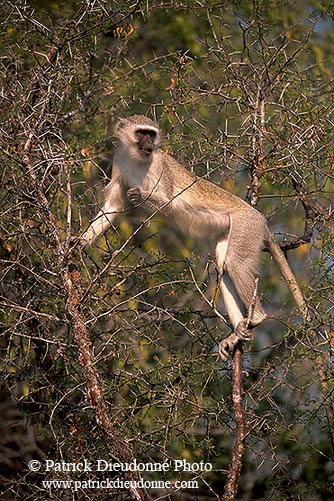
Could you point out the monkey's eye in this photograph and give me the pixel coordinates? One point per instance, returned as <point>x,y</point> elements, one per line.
<point>141,133</point>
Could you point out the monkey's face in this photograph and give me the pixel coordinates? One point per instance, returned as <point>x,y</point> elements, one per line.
<point>139,137</point>
<point>145,142</point>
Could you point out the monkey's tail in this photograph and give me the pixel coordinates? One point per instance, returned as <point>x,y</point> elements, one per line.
<point>287,273</point>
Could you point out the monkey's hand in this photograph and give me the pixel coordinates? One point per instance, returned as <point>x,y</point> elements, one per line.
<point>134,195</point>
<point>74,241</point>
<point>77,242</point>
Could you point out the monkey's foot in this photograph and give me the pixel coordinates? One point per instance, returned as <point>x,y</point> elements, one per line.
<point>226,346</point>
<point>134,195</point>
<point>240,334</point>
<point>243,332</point>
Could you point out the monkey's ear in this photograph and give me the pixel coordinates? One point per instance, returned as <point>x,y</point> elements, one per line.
<point>120,124</point>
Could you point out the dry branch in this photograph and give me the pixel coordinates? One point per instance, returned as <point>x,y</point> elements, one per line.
<point>232,483</point>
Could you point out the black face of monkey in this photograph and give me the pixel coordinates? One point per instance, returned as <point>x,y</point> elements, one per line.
<point>146,138</point>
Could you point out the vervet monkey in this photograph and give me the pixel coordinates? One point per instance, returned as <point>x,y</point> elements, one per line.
<point>145,175</point>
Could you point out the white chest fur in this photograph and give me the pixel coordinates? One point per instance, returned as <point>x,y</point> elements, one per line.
<point>143,176</point>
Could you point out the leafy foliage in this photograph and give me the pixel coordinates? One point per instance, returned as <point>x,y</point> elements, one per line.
<point>244,95</point>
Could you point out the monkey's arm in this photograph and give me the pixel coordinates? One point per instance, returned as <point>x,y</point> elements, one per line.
<point>114,202</point>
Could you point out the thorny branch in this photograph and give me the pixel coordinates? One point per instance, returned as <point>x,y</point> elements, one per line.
<point>311,216</point>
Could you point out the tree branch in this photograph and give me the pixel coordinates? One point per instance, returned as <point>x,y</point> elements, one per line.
<point>232,483</point>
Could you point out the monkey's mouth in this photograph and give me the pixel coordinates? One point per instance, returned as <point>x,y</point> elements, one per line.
<point>146,151</point>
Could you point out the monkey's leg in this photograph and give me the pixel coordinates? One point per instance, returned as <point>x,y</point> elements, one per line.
<point>235,308</point>
<point>236,313</point>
